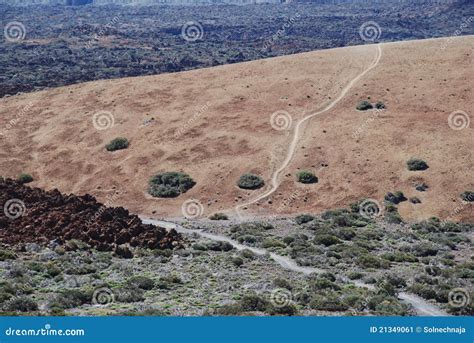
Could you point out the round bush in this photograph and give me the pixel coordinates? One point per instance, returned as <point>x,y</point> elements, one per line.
<point>468,196</point>
<point>117,144</point>
<point>25,178</point>
<point>364,105</point>
<point>170,184</point>
<point>416,164</point>
<point>306,177</point>
<point>250,181</point>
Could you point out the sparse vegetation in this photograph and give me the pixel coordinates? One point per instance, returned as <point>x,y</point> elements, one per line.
<point>219,216</point>
<point>421,187</point>
<point>468,196</point>
<point>25,178</point>
<point>415,200</point>
<point>170,184</point>
<point>379,105</point>
<point>118,143</point>
<point>306,177</point>
<point>395,198</point>
<point>250,181</point>
<point>364,105</point>
<point>416,164</point>
<point>303,218</point>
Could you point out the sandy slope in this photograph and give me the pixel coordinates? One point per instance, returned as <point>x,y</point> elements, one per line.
<point>222,115</point>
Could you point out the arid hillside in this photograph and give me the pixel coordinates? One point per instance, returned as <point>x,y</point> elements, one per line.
<point>215,124</point>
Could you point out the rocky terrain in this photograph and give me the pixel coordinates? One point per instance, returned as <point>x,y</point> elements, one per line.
<point>51,46</point>
<point>32,215</point>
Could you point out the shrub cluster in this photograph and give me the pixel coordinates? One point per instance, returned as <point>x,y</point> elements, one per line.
<point>170,184</point>
<point>415,164</point>
<point>250,181</point>
<point>305,176</point>
<point>117,144</point>
<point>24,178</point>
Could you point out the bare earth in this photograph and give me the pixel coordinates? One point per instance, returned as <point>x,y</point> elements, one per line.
<point>214,124</point>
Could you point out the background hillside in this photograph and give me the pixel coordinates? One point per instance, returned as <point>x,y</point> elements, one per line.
<point>50,46</point>
<point>215,125</point>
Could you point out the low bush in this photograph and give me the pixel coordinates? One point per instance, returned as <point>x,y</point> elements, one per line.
<point>253,302</point>
<point>421,187</point>
<point>327,240</point>
<point>7,255</point>
<point>286,310</point>
<point>415,164</point>
<point>306,177</point>
<point>415,200</point>
<point>170,184</point>
<point>272,243</point>
<point>395,198</point>
<point>328,302</point>
<point>364,105</point>
<point>379,105</point>
<point>70,298</point>
<point>303,218</point>
<point>219,216</point>
<point>129,294</point>
<point>118,143</point>
<point>371,261</point>
<point>250,181</point>
<point>237,261</point>
<point>282,283</point>
<point>21,304</point>
<point>141,282</point>
<point>24,178</point>
<point>468,196</point>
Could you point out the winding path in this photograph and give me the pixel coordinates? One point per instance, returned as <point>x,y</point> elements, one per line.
<point>422,307</point>
<point>297,133</point>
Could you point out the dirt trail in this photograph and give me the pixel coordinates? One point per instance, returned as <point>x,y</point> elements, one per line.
<point>422,307</point>
<point>297,134</point>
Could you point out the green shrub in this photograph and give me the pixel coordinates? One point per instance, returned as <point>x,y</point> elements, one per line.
<point>7,255</point>
<point>282,283</point>
<point>364,105</point>
<point>272,243</point>
<point>142,282</point>
<point>327,240</point>
<point>70,298</point>
<point>129,294</point>
<point>250,181</point>
<point>416,164</point>
<point>424,249</point>
<point>395,198</point>
<point>379,105</point>
<point>247,253</point>
<point>117,144</point>
<point>24,178</point>
<point>329,302</point>
<point>303,218</point>
<point>371,261</point>
<point>305,176</point>
<point>421,187</point>
<point>286,310</point>
<point>21,304</point>
<point>468,196</point>
<point>219,216</point>
<point>415,200</point>
<point>170,184</point>
<point>237,261</point>
<point>253,302</point>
